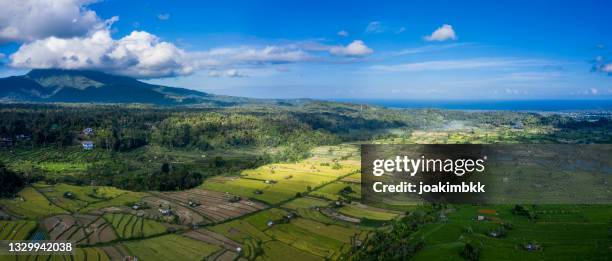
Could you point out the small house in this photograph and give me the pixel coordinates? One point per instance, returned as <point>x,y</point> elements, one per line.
<point>69,195</point>
<point>165,211</point>
<point>136,206</point>
<point>291,215</point>
<point>480,218</point>
<point>88,131</point>
<point>530,247</point>
<point>6,142</point>
<point>88,145</point>
<point>24,137</point>
<point>270,223</point>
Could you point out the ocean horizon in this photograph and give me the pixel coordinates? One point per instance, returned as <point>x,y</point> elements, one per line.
<point>506,105</point>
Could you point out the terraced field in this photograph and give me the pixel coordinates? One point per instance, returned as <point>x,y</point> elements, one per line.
<point>129,226</point>
<point>171,247</point>
<point>30,204</point>
<point>276,183</point>
<point>332,191</point>
<point>279,215</point>
<point>16,230</point>
<point>556,236</point>
<point>80,228</point>
<point>362,211</point>
<point>213,205</point>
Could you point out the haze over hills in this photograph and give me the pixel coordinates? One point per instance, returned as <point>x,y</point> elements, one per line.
<point>57,85</point>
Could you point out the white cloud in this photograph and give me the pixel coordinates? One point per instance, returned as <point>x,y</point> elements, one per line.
<point>607,68</point>
<point>355,48</point>
<point>2,56</point>
<point>232,73</point>
<point>28,20</point>
<point>144,55</point>
<point>440,65</point>
<point>163,17</point>
<point>343,33</point>
<point>219,57</point>
<point>443,33</point>
<point>401,30</point>
<point>139,54</point>
<point>374,28</point>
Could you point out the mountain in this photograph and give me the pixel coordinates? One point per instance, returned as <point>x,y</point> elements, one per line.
<point>56,85</point>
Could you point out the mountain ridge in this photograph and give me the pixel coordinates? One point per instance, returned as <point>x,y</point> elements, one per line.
<point>87,86</point>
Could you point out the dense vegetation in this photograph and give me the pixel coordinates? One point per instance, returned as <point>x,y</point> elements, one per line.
<point>10,182</point>
<point>396,242</point>
<point>133,141</point>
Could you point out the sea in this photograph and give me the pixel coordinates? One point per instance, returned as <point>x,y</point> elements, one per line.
<point>507,105</point>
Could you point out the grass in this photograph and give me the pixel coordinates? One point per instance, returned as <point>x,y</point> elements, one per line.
<point>305,202</point>
<point>69,167</point>
<point>121,200</point>
<point>315,215</point>
<point>170,247</point>
<point>31,204</point>
<point>81,197</point>
<point>332,191</point>
<point>304,239</point>
<point>90,253</point>
<point>130,226</point>
<point>282,181</point>
<point>277,251</point>
<point>240,230</point>
<point>16,230</point>
<point>260,220</point>
<point>339,233</point>
<point>577,231</point>
<point>366,212</point>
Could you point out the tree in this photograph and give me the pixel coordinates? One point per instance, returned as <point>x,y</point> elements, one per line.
<point>10,182</point>
<point>165,168</point>
<point>470,252</point>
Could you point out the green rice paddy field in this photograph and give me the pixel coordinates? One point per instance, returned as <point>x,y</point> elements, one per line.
<point>301,221</point>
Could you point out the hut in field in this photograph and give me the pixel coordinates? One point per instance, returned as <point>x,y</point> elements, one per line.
<point>6,142</point>
<point>88,131</point>
<point>87,145</point>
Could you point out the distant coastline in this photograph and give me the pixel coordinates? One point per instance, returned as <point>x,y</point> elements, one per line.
<point>505,105</point>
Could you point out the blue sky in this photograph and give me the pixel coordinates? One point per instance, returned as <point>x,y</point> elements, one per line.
<point>324,49</point>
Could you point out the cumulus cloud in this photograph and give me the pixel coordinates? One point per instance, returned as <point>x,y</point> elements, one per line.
<point>28,20</point>
<point>443,33</point>
<point>163,17</point>
<point>65,34</point>
<point>343,33</point>
<point>139,54</point>
<point>374,28</point>
<point>144,55</point>
<point>355,48</point>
